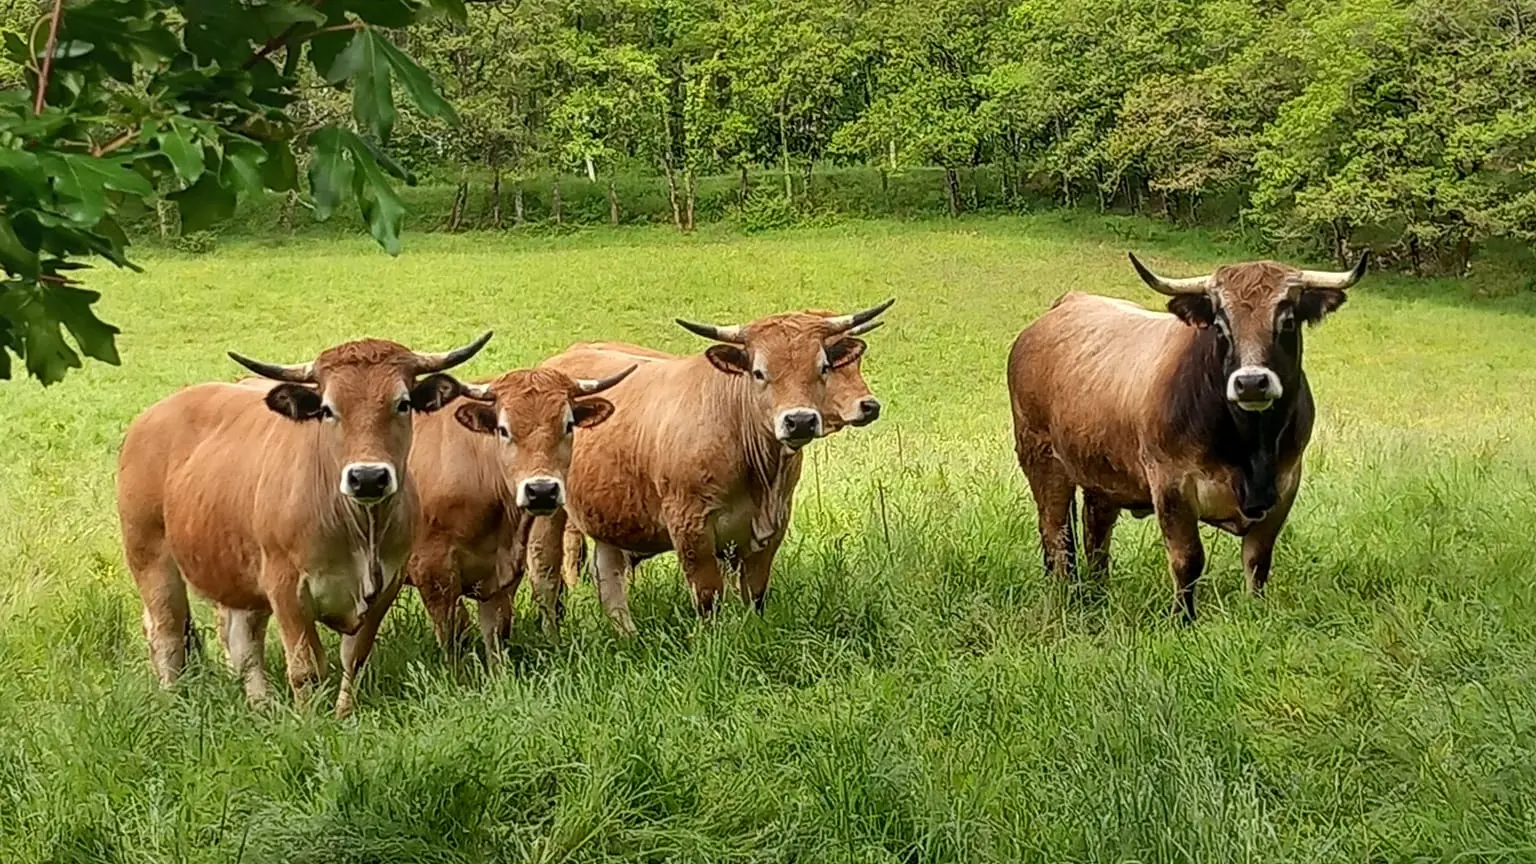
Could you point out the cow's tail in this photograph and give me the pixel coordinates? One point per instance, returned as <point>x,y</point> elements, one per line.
<point>1072,537</point>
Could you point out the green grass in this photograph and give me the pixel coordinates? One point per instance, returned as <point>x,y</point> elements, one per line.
<point>917,691</point>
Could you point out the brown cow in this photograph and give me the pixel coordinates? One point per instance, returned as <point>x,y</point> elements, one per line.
<point>1199,416</point>
<point>288,499</point>
<point>703,457</point>
<point>476,473</point>
<point>853,404</point>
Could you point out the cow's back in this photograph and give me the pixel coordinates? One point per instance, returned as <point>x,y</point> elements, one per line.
<point>1083,378</point>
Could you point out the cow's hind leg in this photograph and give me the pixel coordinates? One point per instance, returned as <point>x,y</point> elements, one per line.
<point>574,557</point>
<point>1055,503</point>
<point>167,617</point>
<point>1099,517</point>
<point>245,641</point>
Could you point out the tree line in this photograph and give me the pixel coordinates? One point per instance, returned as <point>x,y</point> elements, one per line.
<point>1407,126</point>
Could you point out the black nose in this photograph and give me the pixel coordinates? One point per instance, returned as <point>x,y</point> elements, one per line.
<point>542,495</point>
<point>871,409</point>
<point>1251,382</point>
<point>800,425</point>
<point>368,481</point>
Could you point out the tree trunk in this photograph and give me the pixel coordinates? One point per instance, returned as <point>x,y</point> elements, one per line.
<point>613,202</point>
<point>677,210</point>
<point>460,200</point>
<point>746,188</point>
<point>891,153</point>
<point>496,198</point>
<point>805,185</point>
<point>885,186</point>
<point>556,206</point>
<point>952,188</point>
<point>591,169</point>
<point>789,186</point>
<point>517,204</point>
<point>975,190</point>
<point>690,188</point>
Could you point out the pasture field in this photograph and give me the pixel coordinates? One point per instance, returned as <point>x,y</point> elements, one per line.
<point>917,690</point>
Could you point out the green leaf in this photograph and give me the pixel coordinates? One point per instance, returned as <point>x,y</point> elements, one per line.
<point>47,355</point>
<point>219,31</point>
<point>325,51</point>
<point>242,167</point>
<point>69,49</point>
<point>278,171</point>
<point>366,66</point>
<point>204,204</point>
<point>388,162</point>
<point>454,9</point>
<point>84,181</point>
<point>417,83</point>
<point>278,17</point>
<point>383,210</point>
<point>330,170</point>
<point>72,307</point>
<point>181,142</point>
<point>392,14</point>
<point>14,255</point>
<point>20,169</point>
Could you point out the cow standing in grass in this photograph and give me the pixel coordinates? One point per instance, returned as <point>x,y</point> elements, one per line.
<point>289,499</point>
<point>702,457</point>
<point>853,404</point>
<point>478,469</point>
<point>1198,416</point>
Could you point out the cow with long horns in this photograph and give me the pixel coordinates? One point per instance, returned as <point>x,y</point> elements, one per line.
<point>853,405</point>
<point>1201,415</point>
<point>702,457</point>
<point>289,499</point>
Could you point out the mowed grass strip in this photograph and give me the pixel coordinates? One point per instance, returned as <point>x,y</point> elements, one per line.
<point>917,691</point>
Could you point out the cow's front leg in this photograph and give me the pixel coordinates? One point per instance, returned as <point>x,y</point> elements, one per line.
<point>698,557</point>
<point>304,653</point>
<point>756,569</point>
<point>356,647</point>
<point>546,552</point>
<point>1259,544</point>
<point>1186,555</point>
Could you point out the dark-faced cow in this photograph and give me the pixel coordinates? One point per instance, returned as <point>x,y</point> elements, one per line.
<point>1201,415</point>
<point>286,498</point>
<point>702,456</point>
<point>853,404</point>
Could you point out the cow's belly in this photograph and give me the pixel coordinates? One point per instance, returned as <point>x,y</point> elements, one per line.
<point>214,549</point>
<point>1121,484</point>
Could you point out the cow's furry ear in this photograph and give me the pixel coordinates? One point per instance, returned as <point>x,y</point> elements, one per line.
<point>477,417</point>
<point>729,359</point>
<point>295,401</point>
<point>591,411</point>
<point>845,351</point>
<point>1316,303</point>
<point>1195,310</point>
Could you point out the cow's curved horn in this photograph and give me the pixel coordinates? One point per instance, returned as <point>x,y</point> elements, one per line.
<point>298,373</point>
<point>588,386</point>
<point>844,323</point>
<point>1338,280</point>
<point>864,328</point>
<point>732,334</point>
<point>426,363</point>
<point>1171,287</point>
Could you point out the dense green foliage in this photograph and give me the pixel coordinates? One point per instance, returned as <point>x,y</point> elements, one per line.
<point>1407,126</point>
<point>109,106</point>
<point>918,690</point>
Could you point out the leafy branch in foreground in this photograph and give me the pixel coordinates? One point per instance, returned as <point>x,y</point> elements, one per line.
<point>120,98</point>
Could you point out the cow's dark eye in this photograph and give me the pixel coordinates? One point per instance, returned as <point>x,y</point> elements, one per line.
<point>503,433</point>
<point>759,374</point>
<point>1287,320</point>
<point>326,413</point>
<point>403,406</point>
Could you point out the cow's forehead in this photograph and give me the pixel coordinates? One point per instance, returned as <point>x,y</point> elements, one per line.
<point>364,355</point>
<point>533,394</point>
<point>1255,286</point>
<point>790,328</point>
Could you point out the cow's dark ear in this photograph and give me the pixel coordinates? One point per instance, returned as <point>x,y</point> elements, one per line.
<point>435,391</point>
<point>1316,303</point>
<point>295,401</point>
<point>592,411</point>
<point>845,351</point>
<point>477,417</point>
<point>1195,310</point>
<point>729,359</point>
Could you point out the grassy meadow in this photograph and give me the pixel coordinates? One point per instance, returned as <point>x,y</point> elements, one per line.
<point>917,690</point>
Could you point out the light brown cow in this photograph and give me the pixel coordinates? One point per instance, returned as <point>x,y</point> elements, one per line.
<point>853,404</point>
<point>1199,416</point>
<point>703,457</point>
<point>476,472</point>
<point>288,498</point>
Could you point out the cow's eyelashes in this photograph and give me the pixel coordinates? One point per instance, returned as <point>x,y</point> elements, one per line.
<point>327,413</point>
